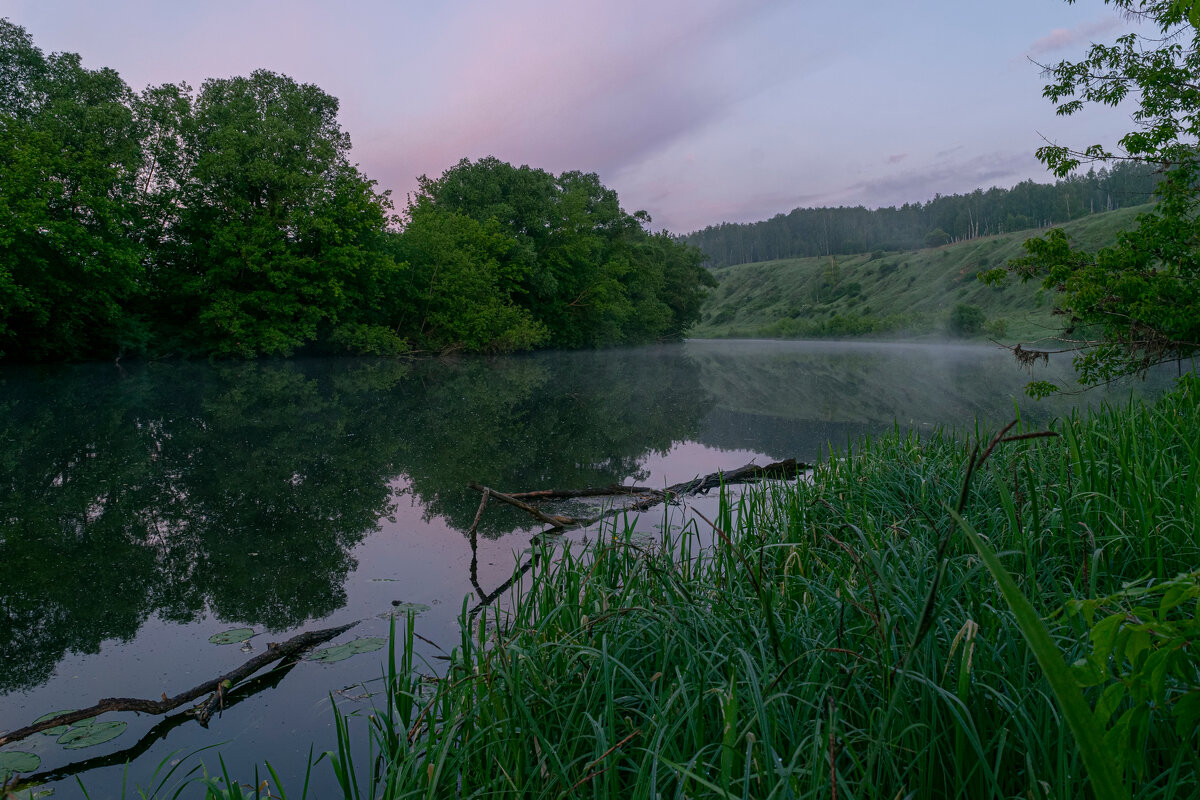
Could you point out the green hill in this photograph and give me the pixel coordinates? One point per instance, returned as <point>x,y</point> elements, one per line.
<point>911,294</point>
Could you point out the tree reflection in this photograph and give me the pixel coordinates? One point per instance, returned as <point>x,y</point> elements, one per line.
<point>242,490</point>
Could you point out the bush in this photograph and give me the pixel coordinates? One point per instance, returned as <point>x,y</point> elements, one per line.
<point>966,320</point>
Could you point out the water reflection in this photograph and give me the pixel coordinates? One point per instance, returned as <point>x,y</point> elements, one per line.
<point>795,399</point>
<point>241,491</point>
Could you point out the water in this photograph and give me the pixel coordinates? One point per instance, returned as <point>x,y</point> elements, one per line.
<point>145,508</point>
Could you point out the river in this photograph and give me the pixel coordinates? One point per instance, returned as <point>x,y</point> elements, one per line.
<point>145,508</point>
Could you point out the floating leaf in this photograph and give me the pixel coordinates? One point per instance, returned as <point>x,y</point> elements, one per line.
<point>59,730</point>
<point>328,655</point>
<point>404,608</point>
<point>17,761</point>
<point>88,735</point>
<point>232,636</point>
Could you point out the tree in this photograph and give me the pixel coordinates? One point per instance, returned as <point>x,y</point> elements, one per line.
<point>966,320</point>
<point>585,272</point>
<point>1136,303</point>
<point>452,292</point>
<point>280,239</point>
<point>69,156</point>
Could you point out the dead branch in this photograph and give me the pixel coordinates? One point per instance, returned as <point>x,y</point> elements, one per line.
<point>556,521</point>
<point>274,652</point>
<point>751,473</point>
<point>590,491</point>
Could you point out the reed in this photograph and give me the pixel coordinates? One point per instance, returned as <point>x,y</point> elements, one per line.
<point>847,636</point>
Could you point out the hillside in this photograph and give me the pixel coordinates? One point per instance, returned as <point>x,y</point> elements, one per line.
<point>845,230</point>
<point>911,293</point>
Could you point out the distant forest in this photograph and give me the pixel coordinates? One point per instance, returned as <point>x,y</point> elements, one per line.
<point>229,221</point>
<point>944,219</point>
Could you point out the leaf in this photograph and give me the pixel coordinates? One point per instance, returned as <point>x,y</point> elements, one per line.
<point>59,730</point>
<point>1104,634</point>
<point>232,636</point>
<point>402,609</point>
<point>1105,780</point>
<point>17,761</point>
<point>1187,713</point>
<point>328,655</point>
<point>93,734</point>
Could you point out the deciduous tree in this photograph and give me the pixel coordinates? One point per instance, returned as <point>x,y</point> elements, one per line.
<point>1137,303</point>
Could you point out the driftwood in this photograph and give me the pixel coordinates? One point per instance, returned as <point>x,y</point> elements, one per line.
<point>203,711</point>
<point>592,491</point>
<point>163,728</point>
<point>751,473</point>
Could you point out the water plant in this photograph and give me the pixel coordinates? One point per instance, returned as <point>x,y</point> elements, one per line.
<point>839,636</point>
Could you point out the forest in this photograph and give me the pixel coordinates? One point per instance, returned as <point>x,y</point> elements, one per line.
<point>229,221</point>
<point>810,232</point>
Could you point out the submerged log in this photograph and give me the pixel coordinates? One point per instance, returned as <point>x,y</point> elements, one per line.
<point>216,687</point>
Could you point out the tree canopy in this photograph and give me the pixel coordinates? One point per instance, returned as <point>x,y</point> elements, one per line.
<point>230,222</point>
<point>808,232</point>
<point>580,270</point>
<point>1136,303</point>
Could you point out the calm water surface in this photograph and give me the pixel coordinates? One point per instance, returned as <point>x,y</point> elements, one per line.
<point>144,508</point>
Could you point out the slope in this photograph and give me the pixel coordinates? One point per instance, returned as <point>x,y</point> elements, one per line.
<point>925,293</point>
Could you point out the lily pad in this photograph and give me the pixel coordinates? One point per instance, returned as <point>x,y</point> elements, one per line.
<point>59,730</point>
<point>340,652</point>
<point>404,608</point>
<point>88,735</point>
<point>17,761</point>
<point>232,636</point>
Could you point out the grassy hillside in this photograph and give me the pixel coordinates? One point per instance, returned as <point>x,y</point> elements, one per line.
<point>911,294</point>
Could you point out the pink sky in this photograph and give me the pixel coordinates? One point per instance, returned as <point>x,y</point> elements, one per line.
<point>698,112</point>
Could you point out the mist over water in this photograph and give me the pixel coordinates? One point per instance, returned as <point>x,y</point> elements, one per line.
<point>148,507</point>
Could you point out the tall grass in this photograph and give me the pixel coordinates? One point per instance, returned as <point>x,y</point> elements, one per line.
<point>785,660</point>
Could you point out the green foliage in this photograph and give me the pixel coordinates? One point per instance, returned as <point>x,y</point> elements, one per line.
<point>560,261</point>
<point>937,238</point>
<point>812,232</point>
<point>17,761</point>
<point>230,222</point>
<point>69,155</point>
<point>232,636</point>
<point>787,659</point>
<point>278,227</point>
<point>340,652</point>
<point>1142,665</point>
<point>454,286</point>
<point>910,295</point>
<point>1135,303</point>
<point>966,320</point>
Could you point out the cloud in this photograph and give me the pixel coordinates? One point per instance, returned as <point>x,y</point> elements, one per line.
<point>595,85</point>
<point>945,176</point>
<point>1065,38</point>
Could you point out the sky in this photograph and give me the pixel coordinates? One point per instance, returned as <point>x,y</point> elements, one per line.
<point>697,111</point>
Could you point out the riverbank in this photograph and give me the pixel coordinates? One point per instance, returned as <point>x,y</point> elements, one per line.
<point>799,657</point>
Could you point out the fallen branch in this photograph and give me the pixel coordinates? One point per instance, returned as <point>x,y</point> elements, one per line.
<point>556,521</point>
<point>751,473</point>
<point>591,491</point>
<point>202,712</point>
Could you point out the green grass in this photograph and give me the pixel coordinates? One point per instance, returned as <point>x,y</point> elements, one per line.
<point>979,616</point>
<point>843,637</point>
<point>908,293</point>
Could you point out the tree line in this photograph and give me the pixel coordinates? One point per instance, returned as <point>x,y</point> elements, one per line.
<point>840,231</point>
<point>229,221</point>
